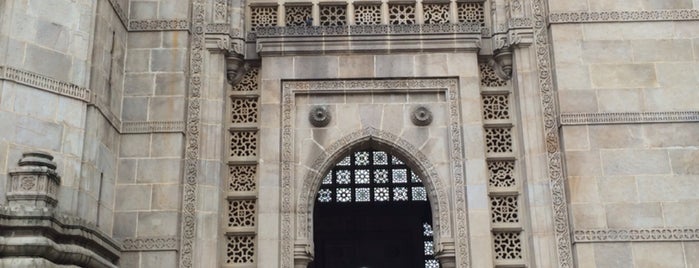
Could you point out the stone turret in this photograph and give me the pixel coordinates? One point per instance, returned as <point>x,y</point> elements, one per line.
<point>31,214</point>
<point>35,182</point>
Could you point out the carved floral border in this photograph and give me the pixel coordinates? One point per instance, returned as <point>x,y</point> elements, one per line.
<point>628,118</point>
<point>455,149</point>
<point>561,224</point>
<point>44,82</point>
<point>188,221</point>
<point>152,127</point>
<point>150,243</point>
<point>633,235</point>
<point>624,16</point>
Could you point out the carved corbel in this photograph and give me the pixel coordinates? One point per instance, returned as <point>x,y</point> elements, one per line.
<point>502,63</point>
<point>235,67</point>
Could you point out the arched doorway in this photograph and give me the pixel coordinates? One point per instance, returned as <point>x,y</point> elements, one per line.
<point>372,211</point>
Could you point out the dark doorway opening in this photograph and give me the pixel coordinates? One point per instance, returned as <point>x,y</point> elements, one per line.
<point>372,212</point>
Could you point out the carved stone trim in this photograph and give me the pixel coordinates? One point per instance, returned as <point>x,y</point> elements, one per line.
<point>159,25</point>
<point>188,221</point>
<point>152,127</point>
<point>119,12</point>
<point>624,16</point>
<point>561,225</point>
<point>628,118</point>
<point>150,243</point>
<point>633,235</point>
<point>223,28</point>
<point>103,109</point>
<point>287,153</point>
<point>44,82</point>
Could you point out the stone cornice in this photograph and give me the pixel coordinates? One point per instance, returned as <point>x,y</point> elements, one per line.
<point>633,235</point>
<point>628,118</point>
<point>73,236</point>
<point>624,16</point>
<point>303,40</point>
<point>150,243</point>
<point>44,82</point>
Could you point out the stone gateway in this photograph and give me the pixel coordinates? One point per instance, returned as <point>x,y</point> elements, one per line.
<point>349,134</point>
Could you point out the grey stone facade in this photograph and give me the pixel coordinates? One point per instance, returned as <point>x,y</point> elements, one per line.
<point>195,133</point>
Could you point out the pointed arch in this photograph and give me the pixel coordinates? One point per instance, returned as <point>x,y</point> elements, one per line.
<point>371,137</point>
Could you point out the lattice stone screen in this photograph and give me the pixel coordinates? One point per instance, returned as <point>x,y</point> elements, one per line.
<point>377,176</point>
<point>401,14</point>
<point>470,12</point>
<point>335,15</point>
<point>489,78</point>
<point>241,187</point>
<point>503,186</point>
<point>436,13</point>
<point>264,16</point>
<point>367,14</point>
<point>331,13</point>
<point>297,15</point>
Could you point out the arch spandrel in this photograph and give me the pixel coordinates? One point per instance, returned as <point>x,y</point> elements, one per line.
<point>437,192</point>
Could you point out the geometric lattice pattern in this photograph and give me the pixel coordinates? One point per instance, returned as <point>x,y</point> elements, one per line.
<point>333,15</point>
<point>503,186</point>
<point>436,13</point>
<point>470,12</point>
<point>508,245</point>
<point>243,110</point>
<point>243,143</point>
<point>367,14</point>
<point>240,249</point>
<point>489,78</point>
<point>367,176</point>
<point>241,213</point>
<point>377,178</point>
<point>496,107</point>
<point>249,82</point>
<point>501,173</point>
<point>241,187</point>
<point>401,14</point>
<point>242,178</point>
<point>498,140</point>
<point>263,17</point>
<point>504,209</point>
<point>297,15</point>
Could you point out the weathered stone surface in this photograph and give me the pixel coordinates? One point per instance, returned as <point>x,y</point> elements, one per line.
<point>623,75</point>
<point>667,254</point>
<point>635,162</point>
<point>167,60</point>
<point>613,254</point>
<point>639,215</point>
<point>133,197</point>
<point>157,224</point>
